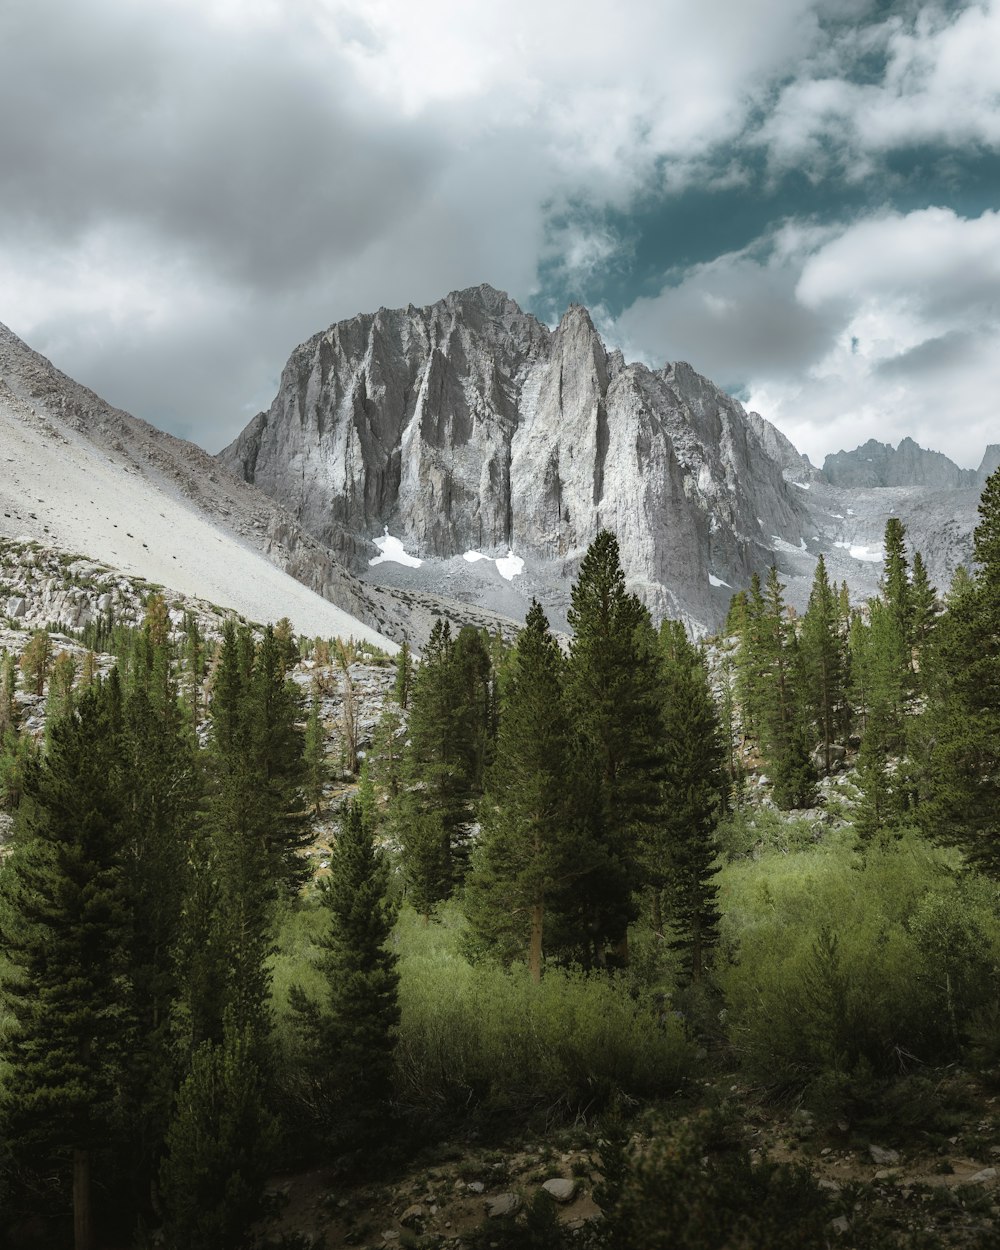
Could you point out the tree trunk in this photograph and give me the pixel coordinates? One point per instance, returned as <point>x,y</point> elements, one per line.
<point>83,1236</point>
<point>535,948</point>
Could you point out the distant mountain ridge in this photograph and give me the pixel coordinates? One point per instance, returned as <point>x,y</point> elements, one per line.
<point>876,464</point>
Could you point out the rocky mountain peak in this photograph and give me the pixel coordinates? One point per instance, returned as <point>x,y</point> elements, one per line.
<point>989,464</point>
<point>468,426</point>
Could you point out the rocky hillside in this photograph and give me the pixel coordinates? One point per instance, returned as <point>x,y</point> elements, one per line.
<point>468,426</point>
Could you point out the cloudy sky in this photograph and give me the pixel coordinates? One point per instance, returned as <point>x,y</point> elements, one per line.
<point>800,197</point>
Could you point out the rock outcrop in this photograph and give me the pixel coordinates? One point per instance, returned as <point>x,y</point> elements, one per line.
<point>470,426</point>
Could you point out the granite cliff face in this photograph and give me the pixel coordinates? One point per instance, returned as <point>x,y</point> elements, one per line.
<point>470,426</point>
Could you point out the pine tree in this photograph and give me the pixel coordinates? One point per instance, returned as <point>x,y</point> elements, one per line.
<point>17,753</point>
<point>8,686</point>
<point>896,581</point>
<point>615,696</point>
<point>287,647</point>
<point>349,709</point>
<point>925,604</point>
<point>777,690</point>
<point>753,659</point>
<point>60,698</point>
<point>64,927</point>
<point>257,820</point>
<point>824,665</point>
<point>962,802</point>
<point>387,752</point>
<point>35,660</point>
<point>878,687</point>
<point>314,750</point>
<point>274,744</point>
<point>450,723</point>
<point>350,1035</point>
<point>532,845</point>
<point>220,1146</point>
<point>683,853</point>
<point>161,791</point>
<point>404,674</point>
<point>194,664</point>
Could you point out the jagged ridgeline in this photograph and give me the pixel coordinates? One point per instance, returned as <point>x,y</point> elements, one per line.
<point>470,428</point>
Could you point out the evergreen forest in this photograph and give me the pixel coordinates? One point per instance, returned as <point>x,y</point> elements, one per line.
<point>683,924</point>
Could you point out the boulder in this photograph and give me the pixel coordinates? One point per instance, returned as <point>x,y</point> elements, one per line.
<point>838,754</point>
<point>502,1204</point>
<point>883,1157</point>
<point>560,1189</point>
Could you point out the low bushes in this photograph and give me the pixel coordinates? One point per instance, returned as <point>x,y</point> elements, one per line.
<point>837,963</point>
<point>487,1040</point>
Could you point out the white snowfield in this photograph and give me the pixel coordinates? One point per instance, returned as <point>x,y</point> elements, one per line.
<point>508,566</point>
<point>64,491</point>
<point>392,549</point>
<point>860,551</point>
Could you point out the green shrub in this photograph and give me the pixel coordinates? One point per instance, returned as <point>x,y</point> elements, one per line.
<point>844,965</point>
<point>748,833</point>
<point>489,1041</point>
<point>696,1187</point>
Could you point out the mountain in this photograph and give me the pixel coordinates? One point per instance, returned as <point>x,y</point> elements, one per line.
<point>485,450</point>
<point>90,479</point>
<point>879,464</point>
<point>470,427</point>
<point>459,459</point>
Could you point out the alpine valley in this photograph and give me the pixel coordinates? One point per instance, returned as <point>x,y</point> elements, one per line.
<point>457,460</point>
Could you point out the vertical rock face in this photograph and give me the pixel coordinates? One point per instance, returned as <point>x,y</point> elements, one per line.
<point>469,425</point>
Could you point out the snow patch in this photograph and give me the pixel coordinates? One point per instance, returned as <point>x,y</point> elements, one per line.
<point>802,485</point>
<point>717,581</point>
<point>858,551</point>
<point>781,544</point>
<point>510,566</point>
<point>392,549</point>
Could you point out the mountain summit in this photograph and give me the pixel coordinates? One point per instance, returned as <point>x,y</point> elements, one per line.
<point>470,427</point>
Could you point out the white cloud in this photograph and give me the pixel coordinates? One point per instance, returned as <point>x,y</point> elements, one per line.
<point>940,85</point>
<point>193,186</point>
<point>883,328</point>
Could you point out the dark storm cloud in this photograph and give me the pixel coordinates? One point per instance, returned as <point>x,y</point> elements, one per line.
<point>731,319</point>
<point>239,150</point>
<point>188,188</point>
<point>935,356</point>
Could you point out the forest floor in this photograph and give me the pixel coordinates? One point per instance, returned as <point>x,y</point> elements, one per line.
<point>937,1181</point>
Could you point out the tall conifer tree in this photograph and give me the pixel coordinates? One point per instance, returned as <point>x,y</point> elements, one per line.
<point>65,917</point>
<point>350,1035</point>
<point>533,847</point>
<point>615,696</point>
<point>824,663</point>
<point>962,803</point>
<point>683,854</point>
